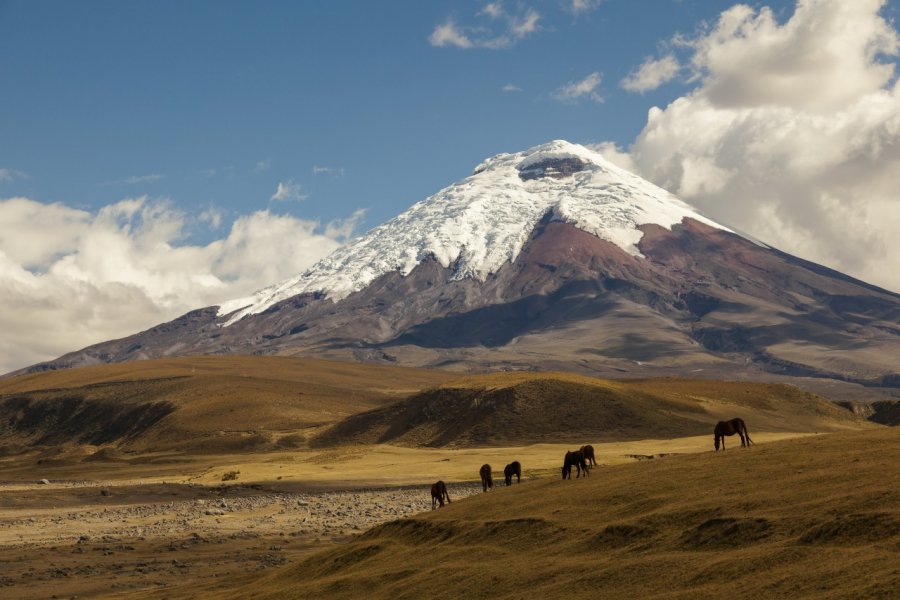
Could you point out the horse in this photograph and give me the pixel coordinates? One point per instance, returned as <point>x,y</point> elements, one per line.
<point>589,455</point>
<point>734,426</point>
<point>513,468</point>
<point>438,494</point>
<point>487,482</point>
<point>575,459</point>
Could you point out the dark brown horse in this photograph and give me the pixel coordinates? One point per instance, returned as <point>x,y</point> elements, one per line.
<point>589,455</point>
<point>438,494</point>
<point>575,459</point>
<point>734,426</point>
<point>513,468</point>
<point>487,482</point>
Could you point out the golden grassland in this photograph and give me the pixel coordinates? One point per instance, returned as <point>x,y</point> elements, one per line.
<point>811,510</point>
<point>817,517</point>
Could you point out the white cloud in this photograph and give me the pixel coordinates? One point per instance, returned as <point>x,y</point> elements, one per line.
<point>126,267</point>
<point>524,25</point>
<point>213,216</point>
<point>652,74</point>
<point>509,87</point>
<point>143,178</point>
<point>580,7</point>
<point>514,27</point>
<point>262,166</point>
<point>335,171</point>
<point>448,34</point>
<point>12,175</point>
<point>792,133</point>
<point>288,190</point>
<point>576,90</point>
<point>492,9</point>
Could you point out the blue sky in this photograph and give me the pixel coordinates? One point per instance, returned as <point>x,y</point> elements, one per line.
<point>161,156</point>
<point>215,103</point>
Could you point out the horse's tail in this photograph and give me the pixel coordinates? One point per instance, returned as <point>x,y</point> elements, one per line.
<point>746,433</point>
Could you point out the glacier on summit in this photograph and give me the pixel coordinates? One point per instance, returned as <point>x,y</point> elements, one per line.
<point>482,222</point>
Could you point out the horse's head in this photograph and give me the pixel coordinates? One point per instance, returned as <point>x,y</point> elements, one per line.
<point>564,471</point>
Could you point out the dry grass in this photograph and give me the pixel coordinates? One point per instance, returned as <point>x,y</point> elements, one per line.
<point>509,409</point>
<point>211,404</point>
<point>227,405</point>
<point>817,517</point>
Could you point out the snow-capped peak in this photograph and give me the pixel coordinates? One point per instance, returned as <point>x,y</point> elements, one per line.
<point>483,221</point>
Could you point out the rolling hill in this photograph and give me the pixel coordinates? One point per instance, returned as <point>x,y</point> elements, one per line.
<point>222,404</point>
<point>510,409</point>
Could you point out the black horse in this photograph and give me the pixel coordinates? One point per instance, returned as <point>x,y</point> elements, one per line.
<point>438,494</point>
<point>487,481</point>
<point>575,459</point>
<point>513,468</point>
<point>589,455</point>
<point>734,426</point>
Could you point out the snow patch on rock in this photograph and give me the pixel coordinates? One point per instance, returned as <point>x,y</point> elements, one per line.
<point>482,222</point>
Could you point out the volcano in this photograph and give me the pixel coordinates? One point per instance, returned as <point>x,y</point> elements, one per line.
<point>553,258</point>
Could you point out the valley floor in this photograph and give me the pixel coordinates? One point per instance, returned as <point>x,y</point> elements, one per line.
<point>168,523</point>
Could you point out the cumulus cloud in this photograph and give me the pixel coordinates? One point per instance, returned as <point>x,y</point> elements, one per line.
<point>577,90</point>
<point>513,28</point>
<point>509,87</point>
<point>288,190</point>
<point>791,133</point>
<point>110,273</point>
<point>651,74</point>
<point>262,166</point>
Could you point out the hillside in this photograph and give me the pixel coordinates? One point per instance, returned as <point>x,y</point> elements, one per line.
<point>197,404</point>
<point>509,409</point>
<point>806,518</point>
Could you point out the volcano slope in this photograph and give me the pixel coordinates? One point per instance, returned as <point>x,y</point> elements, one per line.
<point>817,517</point>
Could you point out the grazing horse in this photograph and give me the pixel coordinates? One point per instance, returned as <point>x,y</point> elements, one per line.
<point>438,494</point>
<point>734,426</point>
<point>589,455</point>
<point>487,482</point>
<point>513,468</point>
<point>575,459</point>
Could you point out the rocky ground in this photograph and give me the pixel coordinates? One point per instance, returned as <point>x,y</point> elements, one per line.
<point>133,540</point>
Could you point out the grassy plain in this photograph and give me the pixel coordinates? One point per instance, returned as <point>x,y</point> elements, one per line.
<point>259,477</point>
